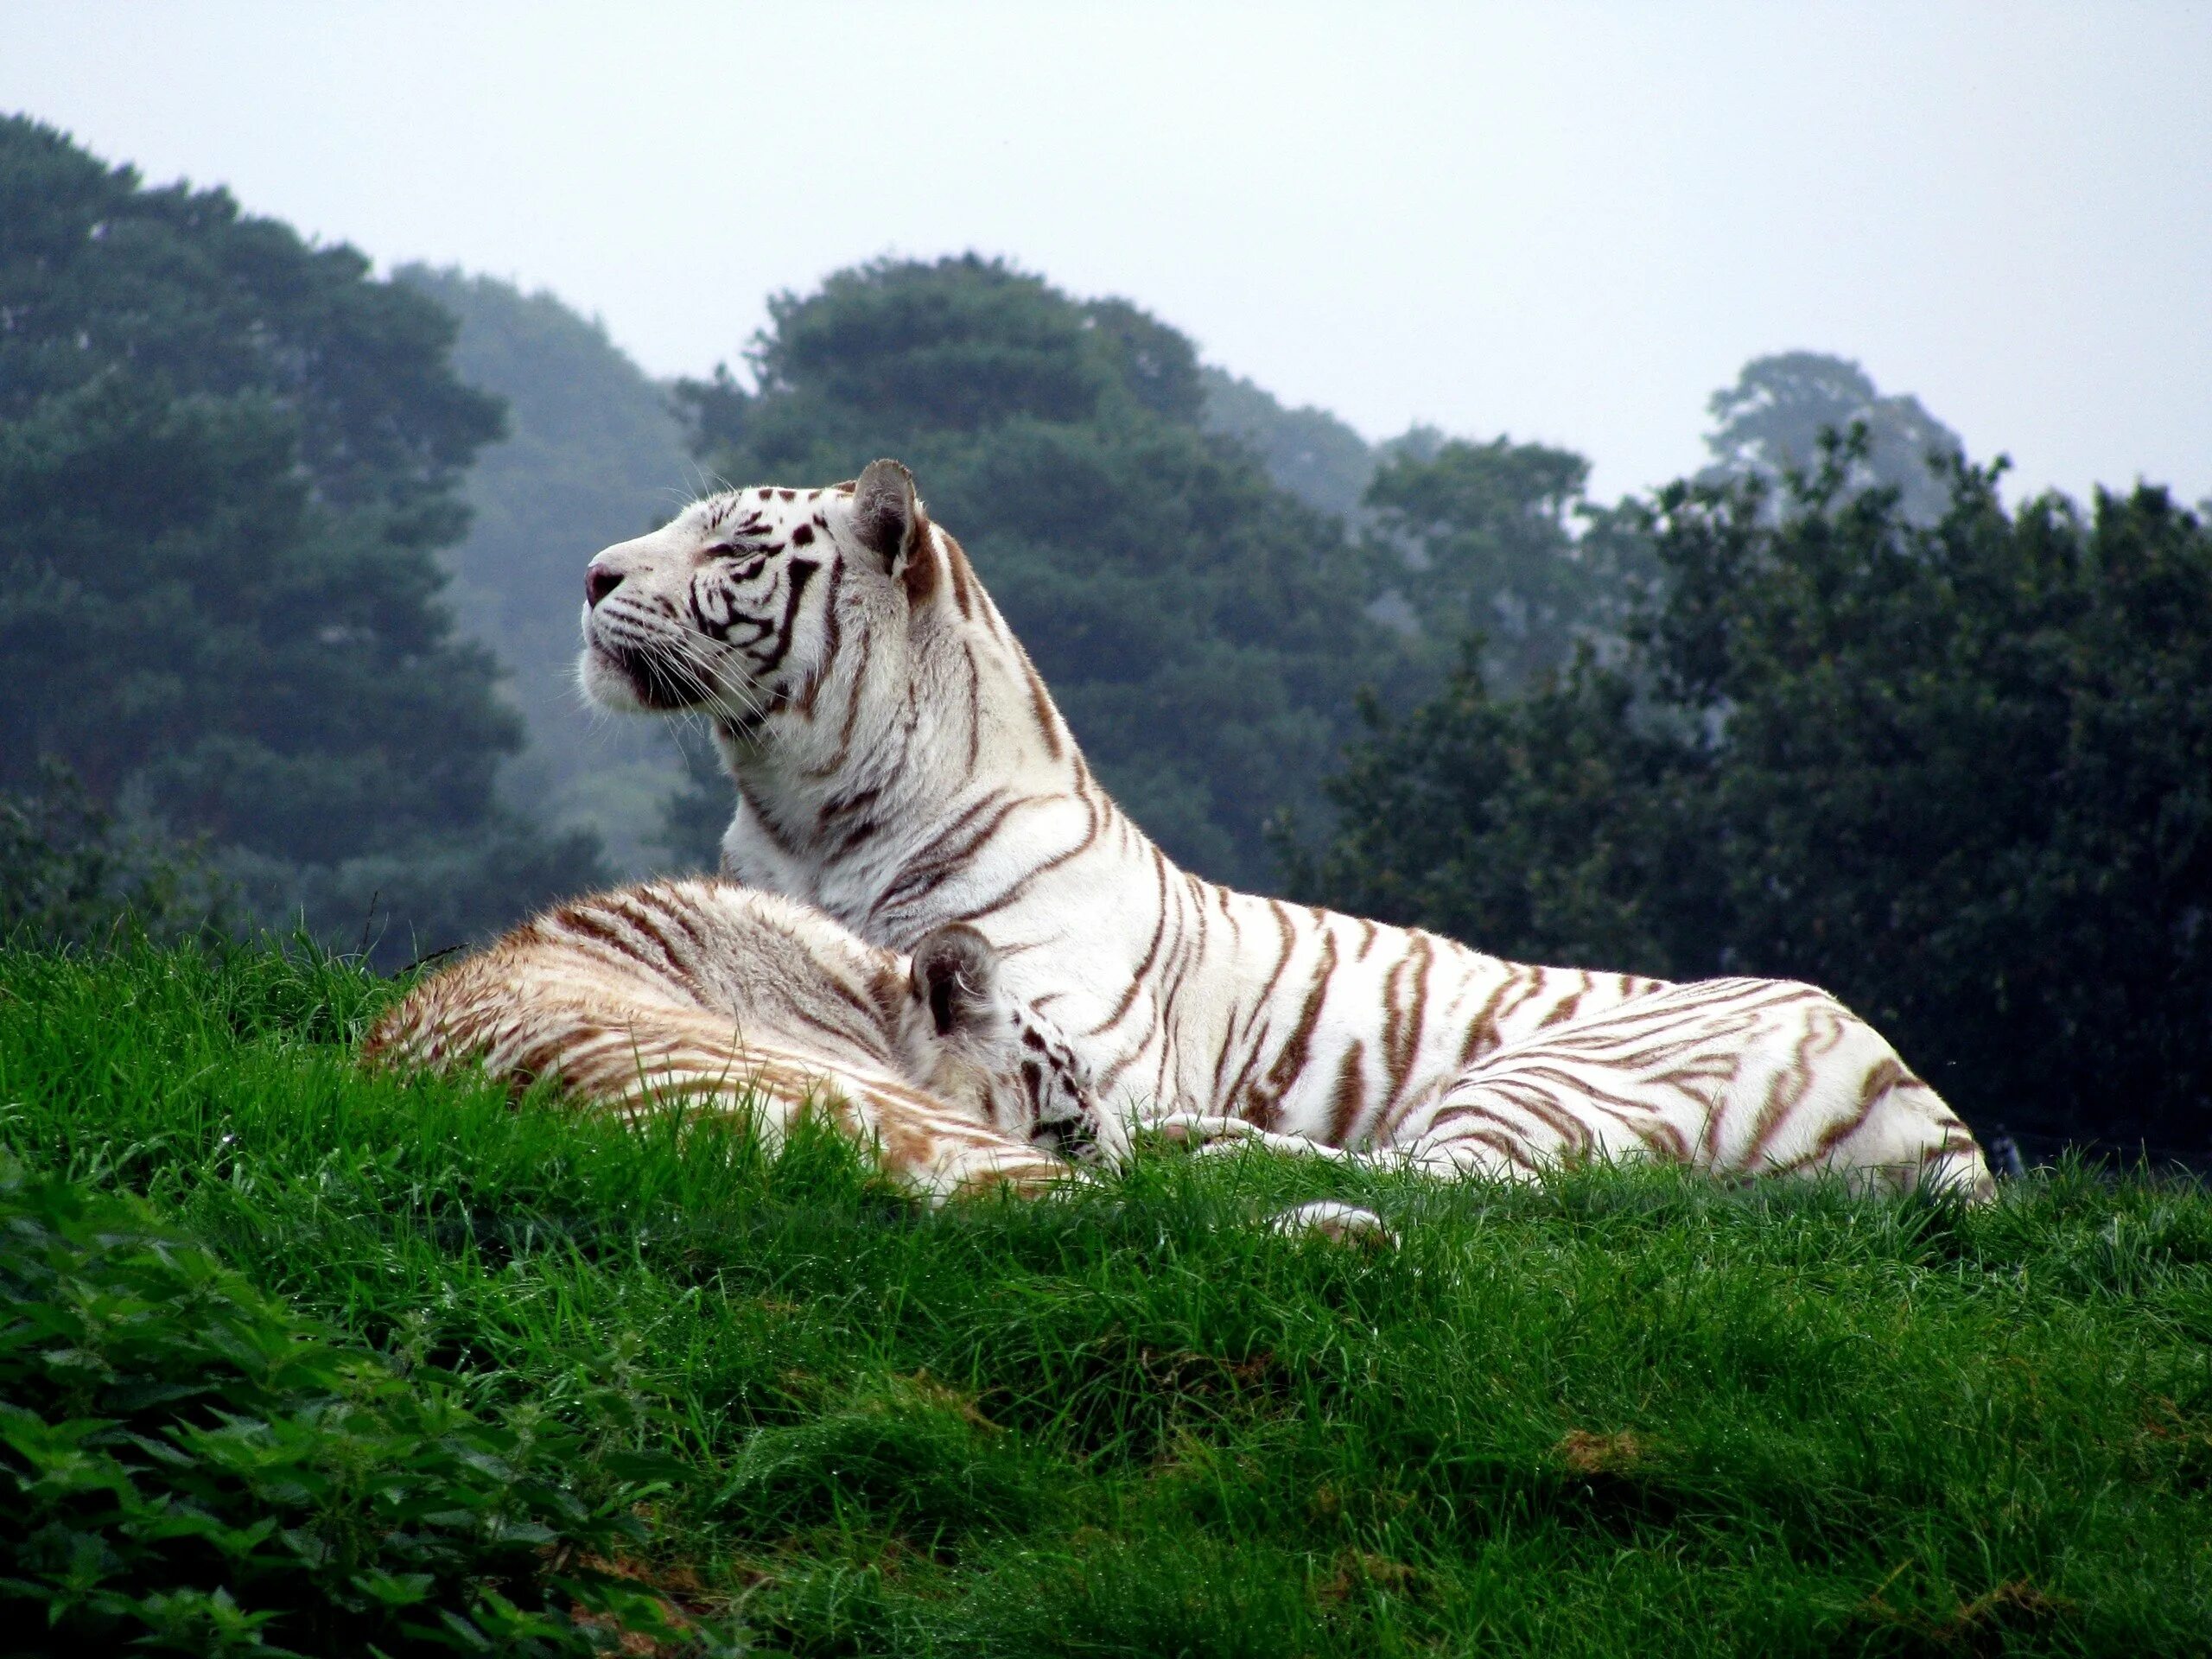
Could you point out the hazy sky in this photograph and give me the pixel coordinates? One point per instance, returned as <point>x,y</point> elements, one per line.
<point>1567,222</point>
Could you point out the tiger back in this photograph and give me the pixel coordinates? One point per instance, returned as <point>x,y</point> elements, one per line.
<point>706,989</point>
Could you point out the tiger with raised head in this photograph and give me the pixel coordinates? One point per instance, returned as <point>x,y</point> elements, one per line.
<point>897,762</point>
<point>704,989</point>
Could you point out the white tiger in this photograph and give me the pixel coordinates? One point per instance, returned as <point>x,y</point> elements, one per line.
<point>899,762</point>
<point>704,987</point>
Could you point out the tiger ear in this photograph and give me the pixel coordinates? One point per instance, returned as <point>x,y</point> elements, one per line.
<point>956,972</point>
<point>886,513</point>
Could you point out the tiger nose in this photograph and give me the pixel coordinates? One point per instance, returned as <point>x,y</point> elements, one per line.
<point>599,582</point>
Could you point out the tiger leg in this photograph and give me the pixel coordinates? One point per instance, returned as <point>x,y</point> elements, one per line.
<point>1820,1091</point>
<point>1736,1077</point>
<point>1210,1132</point>
<point>937,1151</point>
<point>1325,1218</point>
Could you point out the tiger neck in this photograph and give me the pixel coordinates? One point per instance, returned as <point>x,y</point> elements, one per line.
<point>929,777</point>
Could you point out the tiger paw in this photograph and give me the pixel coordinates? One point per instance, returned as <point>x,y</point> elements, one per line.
<point>1203,1130</point>
<point>1340,1224</point>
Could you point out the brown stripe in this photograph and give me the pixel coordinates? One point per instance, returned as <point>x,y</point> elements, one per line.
<point>1482,1030</point>
<point>643,918</point>
<point>963,578</point>
<point>1022,885</point>
<point>1137,980</point>
<point>1788,1090</point>
<point>1351,1095</point>
<point>1258,1007</point>
<point>1040,704</point>
<point>1565,1011</point>
<point>592,926</point>
<point>832,635</point>
<point>920,576</point>
<point>799,572</point>
<point>938,854</point>
<point>1402,1027</point>
<point>1290,1060</point>
<point>975,709</point>
<point>1509,1141</point>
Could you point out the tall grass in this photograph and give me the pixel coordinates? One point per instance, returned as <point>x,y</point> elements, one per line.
<point>1623,1413</point>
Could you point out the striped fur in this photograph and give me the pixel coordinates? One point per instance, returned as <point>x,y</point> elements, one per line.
<point>706,988</point>
<point>899,762</point>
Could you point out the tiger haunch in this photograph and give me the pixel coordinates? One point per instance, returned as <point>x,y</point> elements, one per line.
<point>899,762</point>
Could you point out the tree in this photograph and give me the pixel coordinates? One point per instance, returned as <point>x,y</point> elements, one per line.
<point>1770,422</point>
<point>1557,825</point>
<point>1960,773</point>
<point>593,454</point>
<point>71,871</point>
<point>1483,545</point>
<point>225,460</point>
<point>1309,452</point>
<point>1204,631</point>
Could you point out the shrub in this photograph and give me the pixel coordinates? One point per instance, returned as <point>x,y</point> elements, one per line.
<point>190,1466</point>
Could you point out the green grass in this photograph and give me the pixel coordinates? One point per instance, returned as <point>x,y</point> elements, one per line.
<point>1625,1413</point>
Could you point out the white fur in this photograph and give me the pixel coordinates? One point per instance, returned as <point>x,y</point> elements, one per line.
<point>1186,998</point>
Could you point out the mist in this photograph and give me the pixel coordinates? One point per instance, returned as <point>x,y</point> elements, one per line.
<point>1569,223</point>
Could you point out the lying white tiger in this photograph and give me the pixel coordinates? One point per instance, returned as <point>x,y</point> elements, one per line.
<point>704,987</point>
<point>899,762</point>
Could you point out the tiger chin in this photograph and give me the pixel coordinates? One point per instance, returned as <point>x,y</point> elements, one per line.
<point>706,991</point>
<point>897,762</point>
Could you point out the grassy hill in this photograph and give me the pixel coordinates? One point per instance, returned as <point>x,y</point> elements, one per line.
<point>1621,1414</point>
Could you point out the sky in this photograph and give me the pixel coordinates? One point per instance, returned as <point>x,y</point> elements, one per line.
<point>1571,223</point>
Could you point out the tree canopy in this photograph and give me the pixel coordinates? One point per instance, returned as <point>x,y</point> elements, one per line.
<point>1496,542</point>
<point>1960,773</point>
<point>1769,423</point>
<point>1317,457</point>
<point>592,454</point>
<point>226,458</point>
<point>1153,571</point>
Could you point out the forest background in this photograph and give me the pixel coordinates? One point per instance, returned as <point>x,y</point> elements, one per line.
<point>291,557</point>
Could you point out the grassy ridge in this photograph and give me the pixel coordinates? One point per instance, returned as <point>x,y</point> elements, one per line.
<point>1626,1414</point>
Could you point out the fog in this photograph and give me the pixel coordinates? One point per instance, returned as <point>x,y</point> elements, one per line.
<point>1571,223</point>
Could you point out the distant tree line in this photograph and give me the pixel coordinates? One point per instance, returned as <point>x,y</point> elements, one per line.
<point>1957,770</point>
<point>593,454</point>
<point>227,459</point>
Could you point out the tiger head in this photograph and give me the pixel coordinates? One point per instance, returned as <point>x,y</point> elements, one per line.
<point>737,608</point>
<point>979,1046</point>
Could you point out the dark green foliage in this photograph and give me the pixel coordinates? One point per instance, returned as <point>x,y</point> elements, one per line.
<point>178,288</point>
<point>178,617</point>
<point>1560,826</point>
<point>69,871</point>
<point>697,815</point>
<point>1961,775</point>
<point>190,1466</point>
<point>1627,1413</point>
<point>592,454</point>
<point>1770,422</point>
<point>225,458</point>
<point>1150,569</point>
